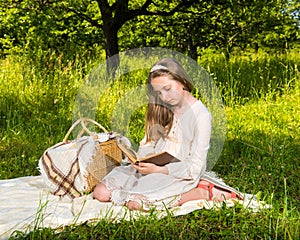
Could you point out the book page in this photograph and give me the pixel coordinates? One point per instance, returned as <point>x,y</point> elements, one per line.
<point>130,153</point>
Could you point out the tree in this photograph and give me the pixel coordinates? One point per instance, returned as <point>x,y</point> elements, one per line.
<point>32,25</point>
<point>115,15</point>
<point>69,18</point>
<point>237,24</point>
<point>223,25</point>
<point>186,26</point>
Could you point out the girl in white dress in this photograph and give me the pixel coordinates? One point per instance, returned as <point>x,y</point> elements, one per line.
<point>177,123</point>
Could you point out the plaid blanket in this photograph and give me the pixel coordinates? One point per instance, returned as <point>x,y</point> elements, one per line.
<point>63,166</point>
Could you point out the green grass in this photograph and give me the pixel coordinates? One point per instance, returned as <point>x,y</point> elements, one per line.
<point>252,75</point>
<point>263,140</point>
<point>261,153</point>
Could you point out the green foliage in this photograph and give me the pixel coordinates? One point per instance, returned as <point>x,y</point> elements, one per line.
<point>32,26</point>
<point>68,26</point>
<point>224,26</point>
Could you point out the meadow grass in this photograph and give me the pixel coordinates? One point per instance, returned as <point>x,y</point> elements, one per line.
<point>261,153</point>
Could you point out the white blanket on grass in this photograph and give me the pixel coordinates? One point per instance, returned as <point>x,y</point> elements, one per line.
<point>26,205</point>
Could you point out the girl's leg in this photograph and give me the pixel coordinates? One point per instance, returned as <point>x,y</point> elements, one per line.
<point>202,194</point>
<point>101,193</point>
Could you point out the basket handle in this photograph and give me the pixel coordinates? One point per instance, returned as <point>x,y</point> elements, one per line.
<point>83,122</point>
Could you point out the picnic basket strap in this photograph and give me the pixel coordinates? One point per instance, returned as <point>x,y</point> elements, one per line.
<point>84,125</point>
<point>83,122</point>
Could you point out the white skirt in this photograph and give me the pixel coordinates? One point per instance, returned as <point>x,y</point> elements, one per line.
<point>158,189</point>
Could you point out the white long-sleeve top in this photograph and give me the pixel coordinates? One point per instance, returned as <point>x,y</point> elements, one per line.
<point>188,141</point>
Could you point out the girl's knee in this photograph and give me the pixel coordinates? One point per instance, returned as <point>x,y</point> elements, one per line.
<point>101,193</point>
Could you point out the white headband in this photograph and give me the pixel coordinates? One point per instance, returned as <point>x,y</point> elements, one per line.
<point>158,67</point>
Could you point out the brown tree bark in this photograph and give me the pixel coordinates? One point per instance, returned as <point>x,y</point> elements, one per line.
<point>115,15</point>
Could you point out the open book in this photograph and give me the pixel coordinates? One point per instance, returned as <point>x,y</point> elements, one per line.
<point>159,159</point>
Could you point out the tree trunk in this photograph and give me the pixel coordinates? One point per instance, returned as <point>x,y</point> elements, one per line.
<point>111,49</point>
<point>192,48</point>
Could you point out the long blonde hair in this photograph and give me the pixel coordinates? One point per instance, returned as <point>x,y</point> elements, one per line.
<point>159,117</point>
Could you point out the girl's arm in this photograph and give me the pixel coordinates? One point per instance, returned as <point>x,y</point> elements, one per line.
<point>194,165</point>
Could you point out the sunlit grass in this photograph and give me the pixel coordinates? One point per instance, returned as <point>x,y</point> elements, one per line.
<point>261,153</point>
<point>250,76</point>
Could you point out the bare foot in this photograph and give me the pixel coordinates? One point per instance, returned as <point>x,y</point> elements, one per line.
<point>218,194</point>
<point>137,202</point>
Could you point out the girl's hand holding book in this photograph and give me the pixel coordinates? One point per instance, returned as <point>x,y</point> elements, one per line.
<point>148,168</point>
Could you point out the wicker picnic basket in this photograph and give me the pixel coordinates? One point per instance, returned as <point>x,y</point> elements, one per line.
<point>107,154</point>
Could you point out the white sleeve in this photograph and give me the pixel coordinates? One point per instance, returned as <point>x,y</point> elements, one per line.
<point>194,166</point>
<point>145,148</point>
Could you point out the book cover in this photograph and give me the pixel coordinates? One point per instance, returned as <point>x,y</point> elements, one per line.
<point>159,159</point>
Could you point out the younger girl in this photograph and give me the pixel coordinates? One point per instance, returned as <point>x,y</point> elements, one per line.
<point>178,123</point>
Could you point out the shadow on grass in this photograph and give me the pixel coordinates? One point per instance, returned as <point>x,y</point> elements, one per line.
<point>258,162</point>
